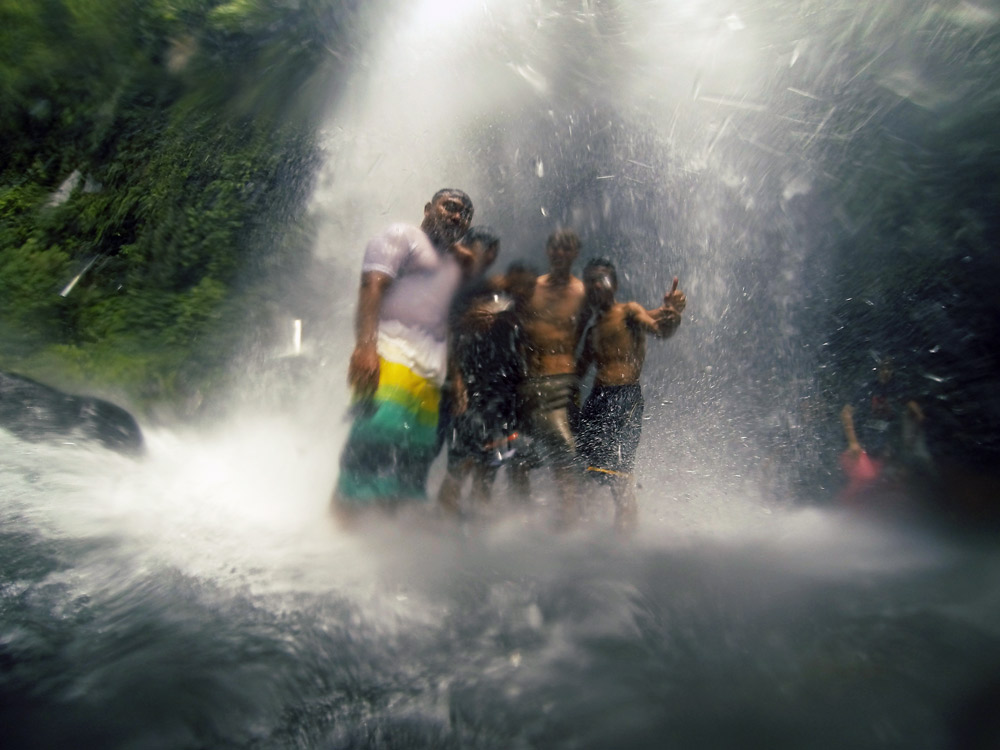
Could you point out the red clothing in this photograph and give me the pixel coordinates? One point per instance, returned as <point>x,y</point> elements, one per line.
<point>862,472</point>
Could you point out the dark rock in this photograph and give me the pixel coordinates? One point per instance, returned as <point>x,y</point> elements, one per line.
<point>38,412</point>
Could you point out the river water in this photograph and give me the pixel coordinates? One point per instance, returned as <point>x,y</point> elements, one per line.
<point>200,597</point>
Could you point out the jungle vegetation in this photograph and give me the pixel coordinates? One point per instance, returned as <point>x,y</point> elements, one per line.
<point>155,159</point>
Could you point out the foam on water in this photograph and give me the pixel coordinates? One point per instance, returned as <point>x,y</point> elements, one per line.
<point>201,595</point>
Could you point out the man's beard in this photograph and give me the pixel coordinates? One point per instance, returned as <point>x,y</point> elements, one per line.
<point>443,237</point>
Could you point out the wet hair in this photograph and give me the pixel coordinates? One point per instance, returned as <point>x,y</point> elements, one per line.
<point>455,193</point>
<point>564,238</point>
<point>602,263</point>
<point>521,267</point>
<point>483,235</point>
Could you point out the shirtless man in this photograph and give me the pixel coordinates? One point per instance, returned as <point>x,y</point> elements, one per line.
<point>611,419</point>
<point>553,326</point>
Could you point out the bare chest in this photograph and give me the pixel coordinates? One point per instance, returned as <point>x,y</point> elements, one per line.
<point>555,308</point>
<point>615,336</point>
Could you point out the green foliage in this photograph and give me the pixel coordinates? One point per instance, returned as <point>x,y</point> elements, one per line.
<point>27,293</point>
<point>188,127</point>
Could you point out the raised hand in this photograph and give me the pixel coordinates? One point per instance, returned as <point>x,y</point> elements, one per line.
<point>668,315</point>
<point>675,298</point>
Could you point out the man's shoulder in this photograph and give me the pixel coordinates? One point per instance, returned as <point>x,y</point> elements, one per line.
<point>619,314</point>
<point>402,232</point>
<point>391,247</point>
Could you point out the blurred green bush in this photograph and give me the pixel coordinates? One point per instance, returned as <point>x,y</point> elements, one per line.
<point>161,152</point>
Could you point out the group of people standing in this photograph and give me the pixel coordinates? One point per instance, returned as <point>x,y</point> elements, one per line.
<point>491,365</point>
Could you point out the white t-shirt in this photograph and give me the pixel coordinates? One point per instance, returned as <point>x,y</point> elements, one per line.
<point>413,321</point>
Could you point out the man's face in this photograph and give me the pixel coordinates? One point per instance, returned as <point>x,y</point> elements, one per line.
<point>447,219</point>
<point>478,258</point>
<point>521,285</point>
<point>485,255</point>
<point>600,287</point>
<point>561,257</point>
<point>884,372</point>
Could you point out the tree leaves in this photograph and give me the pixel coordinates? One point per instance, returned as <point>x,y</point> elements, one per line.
<point>190,123</point>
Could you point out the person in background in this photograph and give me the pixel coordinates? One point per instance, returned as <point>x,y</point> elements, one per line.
<point>611,417</point>
<point>408,278</point>
<point>487,367</point>
<point>884,434</point>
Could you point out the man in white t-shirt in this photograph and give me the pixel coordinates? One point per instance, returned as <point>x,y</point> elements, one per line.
<point>408,278</point>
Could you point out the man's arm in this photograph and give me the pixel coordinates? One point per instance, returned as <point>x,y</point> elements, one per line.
<point>586,358</point>
<point>847,420</point>
<point>675,298</point>
<point>465,257</point>
<point>584,318</point>
<point>363,369</point>
<point>456,380</point>
<point>639,315</point>
<point>668,320</point>
<point>668,315</point>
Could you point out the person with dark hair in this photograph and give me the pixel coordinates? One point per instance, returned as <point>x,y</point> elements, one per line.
<point>553,324</point>
<point>486,369</point>
<point>483,246</point>
<point>884,434</point>
<point>408,278</point>
<point>611,417</point>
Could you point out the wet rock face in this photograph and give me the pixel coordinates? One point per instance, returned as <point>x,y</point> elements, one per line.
<point>34,411</point>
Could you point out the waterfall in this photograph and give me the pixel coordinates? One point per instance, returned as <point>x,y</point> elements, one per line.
<point>200,596</point>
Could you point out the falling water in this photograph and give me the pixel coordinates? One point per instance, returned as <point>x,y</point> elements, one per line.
<point>199,596</point>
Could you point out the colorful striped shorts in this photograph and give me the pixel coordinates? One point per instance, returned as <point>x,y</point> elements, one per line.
<point>392,442</point>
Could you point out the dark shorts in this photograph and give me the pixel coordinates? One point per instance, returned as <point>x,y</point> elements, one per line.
<point>610,428</point>
<point>486,436</point>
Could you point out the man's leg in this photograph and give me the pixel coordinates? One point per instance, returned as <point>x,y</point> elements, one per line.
<point>520,485</point>
<point>449,493</point>
<point>626,505</point>
<point>458,466</point>
<point>482,482</point>
<point>344,515</point>
<point>569,507</point>
<point>558,451</point>
<point>630,433</point>
<point>349,516</point>
<point>564,464</point>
